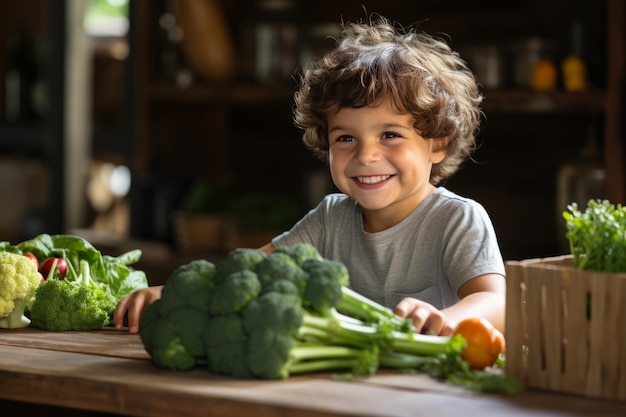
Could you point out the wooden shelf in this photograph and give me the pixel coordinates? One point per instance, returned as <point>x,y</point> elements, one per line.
<point>504,101</point>
<point>246,93</point>
<point>527,101</point>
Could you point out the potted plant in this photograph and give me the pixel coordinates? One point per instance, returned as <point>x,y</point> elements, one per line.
<point>203,222</point>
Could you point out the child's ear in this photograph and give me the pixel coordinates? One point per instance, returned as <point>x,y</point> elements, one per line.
<point>439,149</point>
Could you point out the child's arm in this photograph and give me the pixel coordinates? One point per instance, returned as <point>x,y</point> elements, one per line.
<point>483,296</point>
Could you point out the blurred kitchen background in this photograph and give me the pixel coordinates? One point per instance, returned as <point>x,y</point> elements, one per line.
<point>166,125</point>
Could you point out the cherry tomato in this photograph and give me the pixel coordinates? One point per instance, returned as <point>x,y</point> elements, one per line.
<point>484,342</point>
<point>33,258</point>
<point>59,272</point>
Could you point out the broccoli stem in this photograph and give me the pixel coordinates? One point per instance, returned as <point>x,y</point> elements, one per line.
<point>304,352</point>
<point>85,272</point>
<point>307,358</point>
<point>82,277</point>
<point>356,305</point>
<point>322,365</point>
<point>333,329</point>
<point>420,344</point>
<point>399,360</point>
<point>71,272</point>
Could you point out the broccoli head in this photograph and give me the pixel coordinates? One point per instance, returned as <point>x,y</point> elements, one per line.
<point>74,303</point>
<point>61,305</point>
<point>19,280</point>
<point>270,316</point>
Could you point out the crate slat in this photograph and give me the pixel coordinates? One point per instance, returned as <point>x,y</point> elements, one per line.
<point>564,327</point>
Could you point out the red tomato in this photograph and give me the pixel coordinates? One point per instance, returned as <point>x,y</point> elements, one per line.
<point>33,258</point>
<point>59,272</point>
<point>62,267</point>
<point>484,342</point>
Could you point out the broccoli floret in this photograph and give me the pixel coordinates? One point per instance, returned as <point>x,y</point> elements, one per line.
<point>148,323</point>
<point>73,303</point>
<point>300,252</point>
<point>174,341</point>
<point>270,354</point>
<point>324,286</point>
<point>189,325</point>
<point>239,259</point>
<point>188,286</point>
<point>274,311</point>
<point>172,330</point>
<point>162,343</point>
<point>278,265</point>
<point>226,346</point>
<point>234,292</point>
<point>19,280</point>
<point>281,286</point>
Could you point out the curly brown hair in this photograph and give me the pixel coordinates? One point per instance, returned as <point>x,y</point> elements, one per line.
<point>420,74</point>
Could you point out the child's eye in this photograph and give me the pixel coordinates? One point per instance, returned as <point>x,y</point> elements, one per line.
<point>390,135</point>
<point>345,138</point>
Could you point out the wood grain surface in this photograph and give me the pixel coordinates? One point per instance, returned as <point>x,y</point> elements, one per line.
<point>108,371</point>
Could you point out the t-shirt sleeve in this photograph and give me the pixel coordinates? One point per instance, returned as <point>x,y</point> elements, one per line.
<point>471,247</point>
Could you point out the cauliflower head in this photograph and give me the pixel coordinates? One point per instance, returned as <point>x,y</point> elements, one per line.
<point>19,280</point>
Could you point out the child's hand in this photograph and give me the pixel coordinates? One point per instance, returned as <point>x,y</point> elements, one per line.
<point>134,304</point>
<point>426,318</point>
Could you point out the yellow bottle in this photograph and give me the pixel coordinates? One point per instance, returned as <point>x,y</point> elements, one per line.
<point>574,74</point>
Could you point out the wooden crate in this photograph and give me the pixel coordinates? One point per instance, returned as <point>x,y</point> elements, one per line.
<point>565,328</point>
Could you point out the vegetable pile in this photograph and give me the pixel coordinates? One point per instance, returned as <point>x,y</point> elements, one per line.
<point>291,312</point>
<point>77,288</point>
<point>597,236</point>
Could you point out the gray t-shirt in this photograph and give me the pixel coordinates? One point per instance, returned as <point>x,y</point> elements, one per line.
<point>429,255</point>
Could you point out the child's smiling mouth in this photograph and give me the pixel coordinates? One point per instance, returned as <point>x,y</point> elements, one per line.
<point>372,179</point>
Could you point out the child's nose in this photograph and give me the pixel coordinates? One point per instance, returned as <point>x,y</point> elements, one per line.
<point>367,152</point>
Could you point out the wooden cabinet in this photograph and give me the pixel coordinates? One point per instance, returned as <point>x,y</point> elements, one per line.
<point>242,127</point>
<point>32,142</point>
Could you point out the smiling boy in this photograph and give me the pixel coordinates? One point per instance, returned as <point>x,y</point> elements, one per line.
<point>395,112</point>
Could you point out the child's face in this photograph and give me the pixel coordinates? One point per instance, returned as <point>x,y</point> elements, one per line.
<point>379,159</point>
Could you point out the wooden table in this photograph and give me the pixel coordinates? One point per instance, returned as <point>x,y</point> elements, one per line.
<point>109,372</point>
